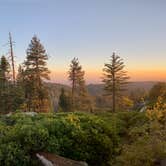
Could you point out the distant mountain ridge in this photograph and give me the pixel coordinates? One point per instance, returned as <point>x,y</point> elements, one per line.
<point>54,89</point>
<point>97,89</point>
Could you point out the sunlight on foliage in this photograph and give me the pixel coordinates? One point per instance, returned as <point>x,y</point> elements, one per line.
<point>158,112</point>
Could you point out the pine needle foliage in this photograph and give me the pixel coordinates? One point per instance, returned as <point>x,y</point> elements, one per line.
<point>79,95</point>
<point>35,71</point>
<point>115,79</point>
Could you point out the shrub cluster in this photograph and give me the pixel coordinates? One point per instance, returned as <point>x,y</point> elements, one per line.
<point>77,136</point>
<point>105,139</point>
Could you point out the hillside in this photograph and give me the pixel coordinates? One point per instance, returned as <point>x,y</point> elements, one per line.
<point>93,89</point>
<point>54,91</point>
<point>97,89</point>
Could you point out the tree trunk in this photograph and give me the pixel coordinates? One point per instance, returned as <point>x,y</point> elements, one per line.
<point>73,89</point>
<point>113,85</point>
<point>73,93</point>
<point>113,96</point>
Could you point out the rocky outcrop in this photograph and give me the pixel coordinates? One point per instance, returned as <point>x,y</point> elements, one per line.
<point>163,162</point>
<point>48,159</point>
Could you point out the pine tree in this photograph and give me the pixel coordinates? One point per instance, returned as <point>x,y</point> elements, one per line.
<point>11,96</point>
<point>79,93</point>
<point>4,84</point>
<point>4,71</point>
<point>35,71</point>
<point>73,75</point>
<point>20,86</point>
<point>115,79</point>
<point>20,75</point>
<point>65,101</point>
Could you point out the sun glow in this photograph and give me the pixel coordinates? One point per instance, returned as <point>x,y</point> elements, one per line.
<point>95,76</point>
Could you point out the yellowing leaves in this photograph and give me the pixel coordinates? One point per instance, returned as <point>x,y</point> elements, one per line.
<point>158,112</point>
<point>127,102</point>
<point>73,119</point>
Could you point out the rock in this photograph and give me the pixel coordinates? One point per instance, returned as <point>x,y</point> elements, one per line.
<point>160,162</point>
<point>163,162</point>
<point>30,113</point>
<point>43,160</point>
<point>47,159</point>
<point>9,114</point>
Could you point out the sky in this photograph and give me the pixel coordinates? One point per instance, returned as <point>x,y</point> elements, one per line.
<point>90,30</point>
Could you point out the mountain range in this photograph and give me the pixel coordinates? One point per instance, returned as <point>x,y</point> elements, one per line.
<point>97,89</point>
<point>54,89</point>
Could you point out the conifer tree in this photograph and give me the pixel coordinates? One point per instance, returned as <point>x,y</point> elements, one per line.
<point>20,75</point>
<point>115,79</point>
<point>35,71</point>
<point>79,93</point>
<point>4,84</point>
<point>20,86</point>
<point>4,71</point>
<point>65,101</point>
<point>11,96</point>
<point>75,68</point>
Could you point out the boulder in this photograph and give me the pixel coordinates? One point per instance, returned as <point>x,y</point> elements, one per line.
<point>48,159</point>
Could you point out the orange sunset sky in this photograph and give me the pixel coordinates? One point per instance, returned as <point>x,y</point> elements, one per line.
<point>90,30</point>
<point>96,75</point>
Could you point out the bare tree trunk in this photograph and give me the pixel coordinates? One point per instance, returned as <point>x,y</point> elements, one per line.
<point>73,93</point>
<point>12,57</point>
<point>113,86</point>
<point>113,95</point>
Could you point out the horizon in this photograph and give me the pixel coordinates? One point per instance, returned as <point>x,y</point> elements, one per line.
<point>91,31</point>
<point>66,82</point>
<point>138,76</point>
<point>100,83</point>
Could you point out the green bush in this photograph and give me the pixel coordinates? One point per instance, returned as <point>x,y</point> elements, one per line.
<point>145,145</point>
<point>77,136</point>
<point>105,139</point>
<point>13,154</point>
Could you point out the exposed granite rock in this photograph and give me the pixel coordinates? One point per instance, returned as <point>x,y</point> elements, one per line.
<point>163,162</point>
<point>48,159</point>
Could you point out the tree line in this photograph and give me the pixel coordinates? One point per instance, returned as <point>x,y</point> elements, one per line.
<point>29,93</point>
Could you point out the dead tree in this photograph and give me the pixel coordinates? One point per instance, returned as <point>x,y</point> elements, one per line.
<point>12,58</point>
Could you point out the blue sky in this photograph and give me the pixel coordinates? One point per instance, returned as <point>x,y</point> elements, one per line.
<point>90,30</point>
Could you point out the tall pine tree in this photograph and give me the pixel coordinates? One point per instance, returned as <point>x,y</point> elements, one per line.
<point>80,98</point>
<point>4,84</point>
<point>35,71</point>
<point>11,96</point>
<point>115,79</point>
<point>4,71</point>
